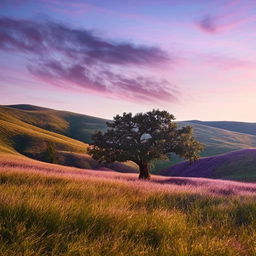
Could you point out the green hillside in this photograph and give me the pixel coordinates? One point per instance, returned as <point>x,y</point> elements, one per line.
<point>76,126</point>
<point>242,127</point>
<point>217,141</point>
<point>21,131</point>
<point>38,123</point>
<point>81,127</point>
<point>26,130</point>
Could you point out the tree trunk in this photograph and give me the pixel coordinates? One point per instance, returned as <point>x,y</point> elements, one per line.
<point>144,172</point>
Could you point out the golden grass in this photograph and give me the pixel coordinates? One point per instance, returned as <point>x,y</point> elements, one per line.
<point>47,209</point>
<point>12,128</point>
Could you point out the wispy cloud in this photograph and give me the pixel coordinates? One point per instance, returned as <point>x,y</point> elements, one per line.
<point>49,37</point>
<point>230,16</point>
<point>215,24</point>
<point>78,58</point>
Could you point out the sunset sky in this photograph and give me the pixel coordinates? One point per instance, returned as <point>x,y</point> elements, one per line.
<point>193,58</point>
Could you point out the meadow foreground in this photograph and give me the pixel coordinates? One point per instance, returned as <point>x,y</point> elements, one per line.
<point>54,210</point>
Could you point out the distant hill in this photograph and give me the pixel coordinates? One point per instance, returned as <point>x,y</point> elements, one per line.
<point>237,165</point>
<point>81,127</point>
<point>71,132</point>
<point>27,107</point>
<point>242,127</point>
<point>217,141</point>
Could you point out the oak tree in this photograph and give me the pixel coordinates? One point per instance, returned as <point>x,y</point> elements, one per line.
<point>142,138</point>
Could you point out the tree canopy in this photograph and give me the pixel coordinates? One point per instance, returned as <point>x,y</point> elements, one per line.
<point>142,138</point>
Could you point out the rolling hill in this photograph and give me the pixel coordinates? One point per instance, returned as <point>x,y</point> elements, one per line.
<point>217,141</point>
<point>73,125</point>
<point>23,132</point>
<point>81,127</point>
<point>237,165</point>
<point>25,129</point>
<point>242,127</point>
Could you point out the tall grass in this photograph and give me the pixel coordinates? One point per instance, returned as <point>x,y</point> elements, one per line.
<point>54,214</point>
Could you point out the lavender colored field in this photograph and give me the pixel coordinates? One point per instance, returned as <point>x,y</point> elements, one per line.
<point>237,165</point>
<point>174,184</point>
<point>48,209</point>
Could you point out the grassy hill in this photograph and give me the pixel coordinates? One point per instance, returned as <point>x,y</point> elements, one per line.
<point>237,165</point>
<point>48,209</point>
<point>26,130</point>
<point>73,125</point>
<point>35,124</point>
<point>81,127</point>
<point>217,141</point>
<point>22,132</point>
<point>242,127</point>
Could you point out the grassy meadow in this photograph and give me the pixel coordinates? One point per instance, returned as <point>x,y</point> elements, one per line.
<point>48,209</point>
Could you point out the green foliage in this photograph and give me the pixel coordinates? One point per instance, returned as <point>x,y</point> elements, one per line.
<point>143,138</point>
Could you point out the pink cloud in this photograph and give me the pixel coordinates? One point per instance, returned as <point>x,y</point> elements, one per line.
<point>231,16</point>
<point>75,59</point>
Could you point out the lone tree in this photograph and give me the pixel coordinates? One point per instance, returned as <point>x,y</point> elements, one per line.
<point>50,155</point>
<point>142,138</point>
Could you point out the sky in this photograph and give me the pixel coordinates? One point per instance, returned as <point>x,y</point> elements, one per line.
<point>193,58</point>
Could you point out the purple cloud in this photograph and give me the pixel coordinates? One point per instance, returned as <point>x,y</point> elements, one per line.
<point>232,15</point>
<point>33,37</point>
<point>207,24</point>
<point>215,24</point>
<point>105,81</point>
<point>78,58</point>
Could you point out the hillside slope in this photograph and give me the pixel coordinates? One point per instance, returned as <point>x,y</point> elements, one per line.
<point>242,127</point>
<point>237,165</point>
<point>73,125</point>
<point>217,141</point>
<point>81,127</point>
<point>20,132</point>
